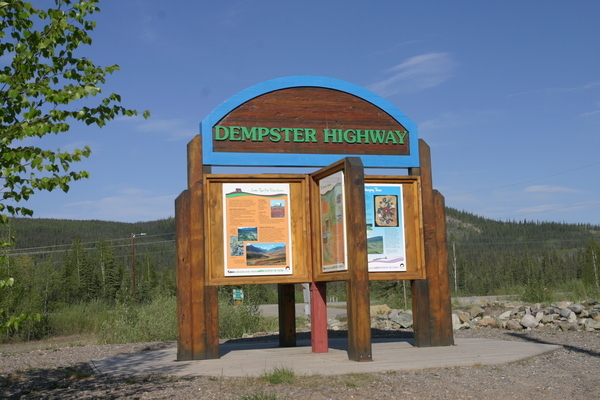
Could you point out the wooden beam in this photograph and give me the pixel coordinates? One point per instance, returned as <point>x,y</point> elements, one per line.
<point>357,286</point>
<point>431,298</point>
<point>443,334</point>
<point>198,314</point>
<point>184,305</point>
<point>287,314</point>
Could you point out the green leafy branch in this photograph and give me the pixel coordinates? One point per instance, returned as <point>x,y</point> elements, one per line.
<point>41,92</point>
<point>8,323</point>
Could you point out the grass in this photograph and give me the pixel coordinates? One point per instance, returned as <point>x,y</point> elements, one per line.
<point>279,375</point>
<point>259,396</point>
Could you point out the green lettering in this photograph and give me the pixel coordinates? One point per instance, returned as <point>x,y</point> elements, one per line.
<point>377,136</point>
<point>362,136</point>
<point>298,135</point>
<point>275,135</point>
<point>250,135</point>
<point>338,135</point>
<point>219,128</point>
<point>347,138</point>
<point>262,132</point>
<point>233,131</point>
<point>391,136</point>
<point>401,135</point>
<point>310,135</point>
<point>287,133</point>
<point>327,135</point>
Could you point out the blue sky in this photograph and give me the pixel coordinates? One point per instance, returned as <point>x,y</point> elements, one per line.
<point>506,93</point>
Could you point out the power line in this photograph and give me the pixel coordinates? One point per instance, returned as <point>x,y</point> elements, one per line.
<point>96,242</point>
<point>16,252</point>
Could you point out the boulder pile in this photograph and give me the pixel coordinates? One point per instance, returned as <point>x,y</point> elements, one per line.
<point>511,315</point>
<point>563,315</point>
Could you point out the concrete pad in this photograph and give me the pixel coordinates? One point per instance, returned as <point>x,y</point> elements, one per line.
<point>253,359</point>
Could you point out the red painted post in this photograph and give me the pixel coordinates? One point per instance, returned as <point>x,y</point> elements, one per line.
<point>318,317</point>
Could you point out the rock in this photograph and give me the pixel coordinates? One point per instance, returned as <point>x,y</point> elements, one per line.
<point>566,312</point>
<point>539,316</point>
<point>342,317</point>
<point>547,310</point>
<point>394,313</point>
<point>404,319</point>
<point>513,325</point>
<point>576,308</point>
<point>487,321</point>
<point>563,304</point>
<point>592,324</point>
<point>548,318</point>
<point>569,326</point>
<point>462,326</point>
<point>505,315</point>
<point>465,317</point>
<point>476,311</point>
<point>455,320</point>
<point>380,310</point>
<point>529,321</point>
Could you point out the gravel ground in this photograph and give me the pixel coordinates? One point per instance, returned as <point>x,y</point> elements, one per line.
<point>53,371</point>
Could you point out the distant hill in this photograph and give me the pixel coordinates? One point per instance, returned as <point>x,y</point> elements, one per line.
<point>51,238</point>
<point>483,253</point>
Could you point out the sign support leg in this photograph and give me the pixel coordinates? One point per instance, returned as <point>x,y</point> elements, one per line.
<point>318,317</point>
<point>287,314</point>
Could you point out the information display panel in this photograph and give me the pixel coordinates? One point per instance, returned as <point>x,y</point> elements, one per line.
<point>384,207</point>
<point>395,243</point>
<point>256,229</point>
<point>333,223</point>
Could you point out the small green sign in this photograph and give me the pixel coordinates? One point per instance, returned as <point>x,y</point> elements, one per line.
<point>238,294</point>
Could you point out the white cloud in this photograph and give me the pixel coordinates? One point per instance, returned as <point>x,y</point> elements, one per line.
<point>549,189</point>
<point>416,73</point>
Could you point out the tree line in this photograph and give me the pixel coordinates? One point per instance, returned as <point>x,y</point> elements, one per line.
<point>56,263</point>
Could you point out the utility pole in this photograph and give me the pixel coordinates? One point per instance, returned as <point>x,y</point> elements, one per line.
<point>455,268</point>
<point>133,278</point>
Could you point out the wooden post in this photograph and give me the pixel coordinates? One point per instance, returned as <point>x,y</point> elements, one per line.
<point>431,297</point>
<point>287,314</point>
<point>184,290</point>
<point>197,304</point>
<point>357,286</point>
<point>318,317</point>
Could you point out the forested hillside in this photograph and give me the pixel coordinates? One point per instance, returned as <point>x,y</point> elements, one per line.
<point>59,262</point>
<point>488,257</point>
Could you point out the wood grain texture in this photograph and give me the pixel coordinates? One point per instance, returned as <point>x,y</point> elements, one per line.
<point>182,248</point>
<point>431,298</point>
<point>194,160</point>
<point>357,287</point>
<point>287,314</point>
<point>443,336</point>
<point>315,108</point>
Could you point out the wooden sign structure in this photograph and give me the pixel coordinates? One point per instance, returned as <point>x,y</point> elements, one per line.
<point>335,224</point>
